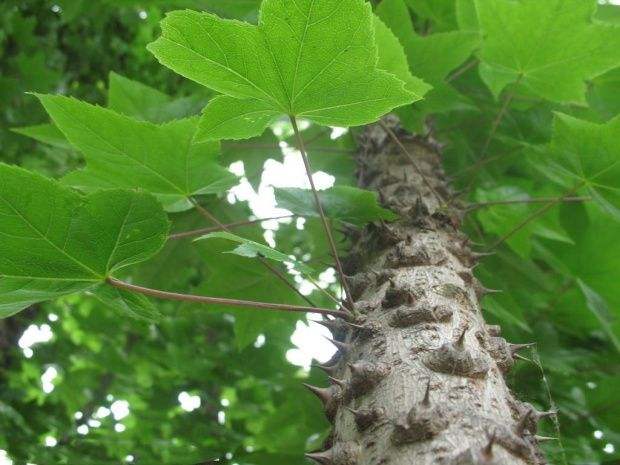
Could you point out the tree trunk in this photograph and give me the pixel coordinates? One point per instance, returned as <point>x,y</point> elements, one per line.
<point>420,379</point>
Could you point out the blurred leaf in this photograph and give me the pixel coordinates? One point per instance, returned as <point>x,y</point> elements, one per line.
<point>549,47</point>
<point>344,203</point>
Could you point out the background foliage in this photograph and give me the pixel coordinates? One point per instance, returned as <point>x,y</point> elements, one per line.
<point>530,121</point>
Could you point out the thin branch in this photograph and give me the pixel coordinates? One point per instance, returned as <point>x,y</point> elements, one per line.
<point>276,147</point>
<point>221,301</point>
<point>478,205</point>
<point>411,160</point>
<point>199,232</point>
<point>319,207</point>
<point>496,122</point>
<point>533,216</point>
<point>207,214</point>
<point>462,70</point>
<point>486,161</point>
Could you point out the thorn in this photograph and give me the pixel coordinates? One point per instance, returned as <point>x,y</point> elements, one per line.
<point>337,381</point>
<point>550,413</point>
<point>426,402</point>
<point>324,394</point>
<point>478,255</point>
<point>544,438</point>
<point>324,458</point>
<point>514,348</point>
<point>327,369</point>
<point>521,357</point>
<point>486,290</point>
<point>342,346</point>
<point>354,412</point>
<point>461,338</point>
<point>487,451</point>
<point>332,325</point>
<point>520,428</point>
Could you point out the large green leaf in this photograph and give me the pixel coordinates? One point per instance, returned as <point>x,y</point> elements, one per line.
<point>303,59</point>
<point>56,242</point>
<point>551,47</point>
<point>126,153</point>
<point>132,98</point>
<point>586,155</point>
<point>348,204</point>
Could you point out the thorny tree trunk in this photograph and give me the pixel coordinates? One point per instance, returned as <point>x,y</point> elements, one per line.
<point>421,381</point>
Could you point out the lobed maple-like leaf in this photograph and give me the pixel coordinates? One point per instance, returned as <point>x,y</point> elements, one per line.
<point>54,241</point>
<point>313,59</point>
<point>550,47</point>
<point>585,155</point>
<point>122,152</point>
<point>430,57</point>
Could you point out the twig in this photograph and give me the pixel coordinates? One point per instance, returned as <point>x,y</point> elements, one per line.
<point>534,215</point>
<point>475,206</point>
<point>275,147</point>
<point>496,122</point>
<point>552,404</point>
<point>207,214</point>
<point>221,301</point>
<point>462,70</point>
<point>199,232</point>
<point>412,160</point>
<point>486,161</point>
<point>319,207</point>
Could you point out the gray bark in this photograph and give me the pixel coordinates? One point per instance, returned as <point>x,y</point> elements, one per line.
<point>420,379</point>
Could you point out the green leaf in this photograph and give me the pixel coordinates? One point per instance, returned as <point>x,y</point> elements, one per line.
<point>348,204</point>
<point>441,12</point>
<point>392,58</point>
<point>56,242</point>
<point>600,309</point>
<point>551,47</point>
<point>253,249</point>
<point>586,154</point>
<point>46,133</point>
<point>124,153</point>
<point>303,59</point>
<point>431,57</point>
<point>139,101</point>
<point>127,303</point>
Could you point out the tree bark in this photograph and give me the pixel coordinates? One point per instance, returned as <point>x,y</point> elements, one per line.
<point>419,377</point>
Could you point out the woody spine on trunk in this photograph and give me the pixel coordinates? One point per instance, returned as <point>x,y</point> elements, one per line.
<point>419,376</point>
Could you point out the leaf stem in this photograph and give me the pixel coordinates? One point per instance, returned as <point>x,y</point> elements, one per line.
<point>199,232</point>
<point>220,300</point>
<point>319,208</point>
<point>494,126</point>
<point>475,206</point>
<point>462,70</point>
<point>412,160</point>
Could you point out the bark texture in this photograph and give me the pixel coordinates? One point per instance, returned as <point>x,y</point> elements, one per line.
<point>419,377</point>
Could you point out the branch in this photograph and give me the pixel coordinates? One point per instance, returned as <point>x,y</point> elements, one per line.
<point>200,232</point>
<point>220,300</point>
<point>319,207</point>
<point>475,206</point>
<point>412,160</point>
